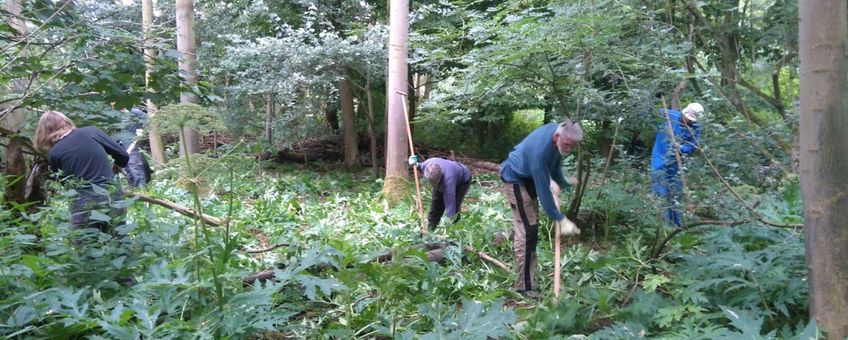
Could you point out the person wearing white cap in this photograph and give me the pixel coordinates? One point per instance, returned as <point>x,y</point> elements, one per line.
<point>665,172</point>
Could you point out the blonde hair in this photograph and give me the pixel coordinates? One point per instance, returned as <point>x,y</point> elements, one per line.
<point>52,126</point>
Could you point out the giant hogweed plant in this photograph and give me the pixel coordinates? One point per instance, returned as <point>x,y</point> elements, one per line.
<point>716,283</point>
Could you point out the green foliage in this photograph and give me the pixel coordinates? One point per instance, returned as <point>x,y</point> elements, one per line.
<point>188,276</point>
<point>177,116</point>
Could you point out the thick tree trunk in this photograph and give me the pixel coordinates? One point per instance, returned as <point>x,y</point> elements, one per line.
<point>270,108</point>
<point>351,140</point>
<point>397,173</point>
<point>16,172</point>
<point>823,33</point>
<point>13,121</point>
<point>187,47</point>
<point>157,147</point>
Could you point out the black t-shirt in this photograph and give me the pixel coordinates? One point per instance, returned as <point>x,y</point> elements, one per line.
<point>83,155</point>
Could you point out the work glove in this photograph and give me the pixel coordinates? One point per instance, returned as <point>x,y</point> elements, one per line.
<point>413,160</point>
<point>567,228</point>
<point>571,180</point>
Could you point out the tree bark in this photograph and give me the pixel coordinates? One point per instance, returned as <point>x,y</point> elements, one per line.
<point>187,47</point>
<point>396,141</point>
<point>157,147</point>
<point>15,170</point>
<point>351,140</point>
<point>270,108</point>
<point>823,33</point>
<point>411,98</point>
<point>371,131</point>
<point>331,114</point>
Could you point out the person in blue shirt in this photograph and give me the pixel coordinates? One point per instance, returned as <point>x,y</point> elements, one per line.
<point>665,170</point>
<point>450,182</point>
<point>527,174</point>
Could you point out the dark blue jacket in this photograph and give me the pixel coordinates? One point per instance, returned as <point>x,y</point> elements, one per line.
<point>663,155</point>
<point>536,158</point>
<point>84,155</point>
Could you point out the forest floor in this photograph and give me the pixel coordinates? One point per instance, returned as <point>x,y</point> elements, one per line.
<point>327,232</point>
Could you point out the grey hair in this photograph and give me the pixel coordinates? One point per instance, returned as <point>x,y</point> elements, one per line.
<point>433,173</point>
<point>570,129</point>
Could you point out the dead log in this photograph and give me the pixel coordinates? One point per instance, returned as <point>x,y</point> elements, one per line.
<point>185,211</point>
<point>15,172</point>
<point>484,165</point>
<point>435,253</point>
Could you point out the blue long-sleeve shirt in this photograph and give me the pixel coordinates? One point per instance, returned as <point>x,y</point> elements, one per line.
<point>537,158</point>
<point>663,155</point>
<point>453,174</point>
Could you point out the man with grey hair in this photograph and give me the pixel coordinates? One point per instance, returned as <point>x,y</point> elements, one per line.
<point>527,175</point>
<point>450,182</point>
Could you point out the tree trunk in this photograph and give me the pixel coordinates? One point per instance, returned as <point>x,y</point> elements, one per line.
<point>411,98</point>
<point>187,47</point>
<point>351,140</point>
<point>270,107</point>
<point>371,131</point>
<point>15,170</point>
<point>823,33</point>
<point>395,185</point>
<point>157,147</point>
<point>331,114</point>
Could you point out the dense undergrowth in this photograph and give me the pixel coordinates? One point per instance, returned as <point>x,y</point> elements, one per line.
<point>711,282</point>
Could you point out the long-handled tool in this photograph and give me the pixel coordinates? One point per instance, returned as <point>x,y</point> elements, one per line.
<point>676,146</point>
<point>555,190</point>
<point>414,168</point>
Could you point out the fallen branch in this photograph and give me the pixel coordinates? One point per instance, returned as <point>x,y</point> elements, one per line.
<point>271,248</point>
<point>210,220</point>
<point>656,253</point>
<point>485,256</point>
<point>435,253</point>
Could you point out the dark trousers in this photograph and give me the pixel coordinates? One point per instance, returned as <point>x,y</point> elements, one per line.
<point>437,205</point>
<point>525,231</point>
<point>107,216</point>
<point>137,170</point>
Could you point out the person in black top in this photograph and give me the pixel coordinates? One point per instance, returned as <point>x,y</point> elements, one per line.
<point>81,156</point>
<point>137,171</point>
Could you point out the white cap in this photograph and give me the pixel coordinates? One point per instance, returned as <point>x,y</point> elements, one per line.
<point>693,111</point>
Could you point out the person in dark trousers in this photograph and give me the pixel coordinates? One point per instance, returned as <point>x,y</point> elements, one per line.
<point>137,171</point>
<point>527,174</point>
<point>665,170</point>
<point>450,182</point>
<point>81,157</point>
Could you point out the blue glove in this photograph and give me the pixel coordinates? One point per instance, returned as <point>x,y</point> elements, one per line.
<point>413,160</point>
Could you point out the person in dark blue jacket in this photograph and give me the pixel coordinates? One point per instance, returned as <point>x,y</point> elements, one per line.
<point>450,182</point>
<point>81,157</point>
<point>527,174</point>
<point>668,152</point>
